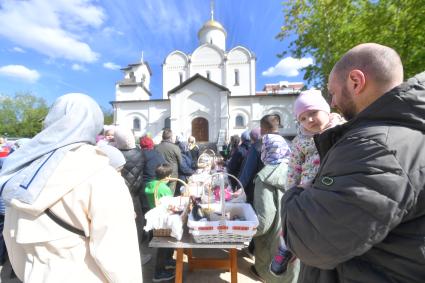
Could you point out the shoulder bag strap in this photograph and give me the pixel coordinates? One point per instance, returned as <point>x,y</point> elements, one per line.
<point>62,223</point>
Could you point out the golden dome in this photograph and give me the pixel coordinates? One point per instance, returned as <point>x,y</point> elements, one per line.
<point>212,24</point>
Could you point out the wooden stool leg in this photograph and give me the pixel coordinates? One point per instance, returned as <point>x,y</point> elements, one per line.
<point>179,266</point>
<point>233,265</point>
<point>189,259</point>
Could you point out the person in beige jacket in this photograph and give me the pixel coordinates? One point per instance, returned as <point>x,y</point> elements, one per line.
<point>60,169</point>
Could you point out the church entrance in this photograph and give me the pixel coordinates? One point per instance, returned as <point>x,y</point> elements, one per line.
<point>200,129</point>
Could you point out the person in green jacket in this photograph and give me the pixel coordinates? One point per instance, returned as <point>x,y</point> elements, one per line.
<point>269,187</point>
<point>164,258</point>
<point>163,171</point>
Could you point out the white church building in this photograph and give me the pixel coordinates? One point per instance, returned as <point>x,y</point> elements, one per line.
<point>209,94</point>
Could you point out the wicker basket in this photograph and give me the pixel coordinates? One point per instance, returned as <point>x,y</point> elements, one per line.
<point>167,232</point>
<point>208,196</point>
<point>223,230</point>
<point>161,232</point>
<point>206,159</point>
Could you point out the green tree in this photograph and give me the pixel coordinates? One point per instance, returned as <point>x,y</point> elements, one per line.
<point>108,116</point>
<point>326,29</point>
<point>21,115</point>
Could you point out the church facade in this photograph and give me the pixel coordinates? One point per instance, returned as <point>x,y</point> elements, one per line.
<point>209,94</point>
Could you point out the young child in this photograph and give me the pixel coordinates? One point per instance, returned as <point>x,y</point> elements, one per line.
<point>107,137</point>
<point>164,257</point>
<point>313,114</point>
<point>269,125</point>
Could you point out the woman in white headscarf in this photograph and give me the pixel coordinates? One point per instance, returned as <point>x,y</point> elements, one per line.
<point>61,171</point>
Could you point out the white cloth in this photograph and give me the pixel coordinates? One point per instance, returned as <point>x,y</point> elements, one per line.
<point>160,218</point>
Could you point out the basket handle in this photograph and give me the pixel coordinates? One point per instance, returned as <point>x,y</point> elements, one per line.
<point>210,153</point>
<point>234,177</point>
<point>210,159</point>
<point>222,189</point>
<point>166,180</point>
<point>222,198</point>
<point>155,191</point>
<point>209,150</point>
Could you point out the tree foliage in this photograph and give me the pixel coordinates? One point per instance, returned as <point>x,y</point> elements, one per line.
<point>326,29</point>
<point>108,116</point>
<point>21,115</point>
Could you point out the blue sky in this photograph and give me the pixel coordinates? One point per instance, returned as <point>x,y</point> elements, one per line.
<point>52,47</point>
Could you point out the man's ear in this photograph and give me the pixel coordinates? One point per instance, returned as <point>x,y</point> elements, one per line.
<point>356,81</point>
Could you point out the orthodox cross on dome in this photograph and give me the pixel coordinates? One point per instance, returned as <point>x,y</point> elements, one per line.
<point>212,9</point>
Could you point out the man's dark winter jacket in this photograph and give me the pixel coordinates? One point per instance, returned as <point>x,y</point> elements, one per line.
<point>133,176</point>
<point>363,220</point>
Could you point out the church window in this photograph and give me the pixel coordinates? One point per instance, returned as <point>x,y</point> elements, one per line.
<point>181,77</point>
<point>236,77</point>
<point>167,123</point>
<point>136,124</point>
<point>239,121</point>
<point>132,77</point>
<point>209,75</point>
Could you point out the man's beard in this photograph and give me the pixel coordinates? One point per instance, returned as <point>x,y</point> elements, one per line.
<point>347,108</point>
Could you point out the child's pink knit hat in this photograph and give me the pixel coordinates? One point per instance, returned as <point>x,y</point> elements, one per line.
<point>310,100</point>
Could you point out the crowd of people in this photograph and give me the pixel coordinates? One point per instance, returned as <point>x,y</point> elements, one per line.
<point>343,201</point>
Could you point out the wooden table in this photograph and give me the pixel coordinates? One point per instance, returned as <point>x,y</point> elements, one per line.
<point>187,242</point>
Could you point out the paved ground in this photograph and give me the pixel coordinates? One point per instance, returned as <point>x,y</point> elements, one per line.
<point>204,276</point>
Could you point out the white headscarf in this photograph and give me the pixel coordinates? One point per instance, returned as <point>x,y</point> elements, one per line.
<point>116,158</point>
<point>124,138</point>
<point>74,119</point>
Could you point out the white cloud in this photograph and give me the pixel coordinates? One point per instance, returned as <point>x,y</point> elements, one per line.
<point>110,31</point>
<point>20,72</point>
<point>174,18</point>
<point>111,66</point>
<point>287,67</point>
<point>18,49</point>
<point>54,28</point>
<point>78,67</point>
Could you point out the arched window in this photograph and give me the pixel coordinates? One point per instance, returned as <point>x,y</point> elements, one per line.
<point>236,77</point>
<point>209,75</point>
<point>239,121</point>
<point>181,77</point>
<point>167,123</point>
<point>136,124</point>
<point>132,77</point>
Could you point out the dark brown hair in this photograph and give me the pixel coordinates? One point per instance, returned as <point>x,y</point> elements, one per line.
<point>270,122</point>
<point>167,134</point>
<point>163,170</point>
